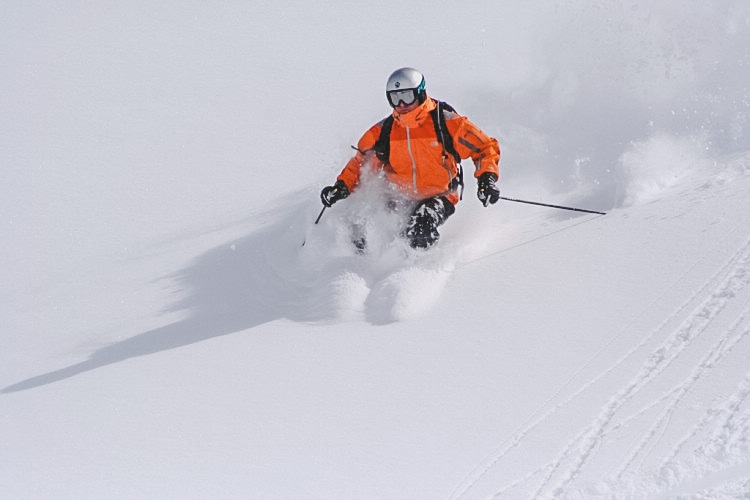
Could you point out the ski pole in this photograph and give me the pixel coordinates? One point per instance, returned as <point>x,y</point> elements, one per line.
<point>317,220</point>
<point>320,214</point>
<point>553,206</point>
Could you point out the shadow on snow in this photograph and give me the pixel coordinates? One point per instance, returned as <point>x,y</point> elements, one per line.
<point>231,288</point>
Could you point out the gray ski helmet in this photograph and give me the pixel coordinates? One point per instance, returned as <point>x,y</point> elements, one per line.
<point>405,79</point>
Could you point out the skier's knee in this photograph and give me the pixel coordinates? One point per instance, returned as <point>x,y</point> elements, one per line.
<point>421,230</point>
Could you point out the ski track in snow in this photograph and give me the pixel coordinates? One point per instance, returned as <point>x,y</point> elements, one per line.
<point>699,312</point>
<point>723,346</point>
<point>577,455</point>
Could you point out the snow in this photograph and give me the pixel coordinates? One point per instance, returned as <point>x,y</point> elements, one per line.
<point>174,325</point>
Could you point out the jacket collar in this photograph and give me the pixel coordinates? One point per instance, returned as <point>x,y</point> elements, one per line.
<point>417,116</point>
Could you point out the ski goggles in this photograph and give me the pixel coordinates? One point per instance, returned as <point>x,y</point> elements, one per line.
<point>407,96</point>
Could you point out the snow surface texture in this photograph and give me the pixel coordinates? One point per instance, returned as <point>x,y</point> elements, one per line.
<point>175,326</point>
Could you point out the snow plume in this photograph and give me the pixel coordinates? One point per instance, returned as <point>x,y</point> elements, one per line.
<point>659,163</point>
<point>387,280</point>
<point>366,213</point>
<point>572,100</point>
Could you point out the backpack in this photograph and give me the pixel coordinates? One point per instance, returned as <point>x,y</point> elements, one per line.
<point>382,146</point>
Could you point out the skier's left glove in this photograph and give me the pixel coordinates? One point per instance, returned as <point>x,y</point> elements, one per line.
<point>487,190</point>
<point>332,194</point>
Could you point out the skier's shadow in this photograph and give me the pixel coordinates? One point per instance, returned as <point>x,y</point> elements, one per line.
<point>234,287</point>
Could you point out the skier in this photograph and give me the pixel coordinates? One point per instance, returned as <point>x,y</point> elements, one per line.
<point>419,148</point>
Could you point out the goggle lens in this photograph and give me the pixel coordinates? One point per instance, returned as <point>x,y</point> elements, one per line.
<point>408,96</point>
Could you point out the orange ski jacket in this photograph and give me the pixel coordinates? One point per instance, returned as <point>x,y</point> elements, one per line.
<point>418,166</point>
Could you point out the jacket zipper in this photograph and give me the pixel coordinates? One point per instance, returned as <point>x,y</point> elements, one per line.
<point>413,163</point>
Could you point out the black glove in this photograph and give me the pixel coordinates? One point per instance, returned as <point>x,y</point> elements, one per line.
<point>332,194</point>
<point>487,190</point>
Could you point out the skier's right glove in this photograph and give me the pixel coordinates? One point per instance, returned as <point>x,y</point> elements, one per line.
<point>487,190</point>
<point>332,194</point>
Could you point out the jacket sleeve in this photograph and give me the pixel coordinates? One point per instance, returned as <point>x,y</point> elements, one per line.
<point>470,142</point>
<point>365,153</point>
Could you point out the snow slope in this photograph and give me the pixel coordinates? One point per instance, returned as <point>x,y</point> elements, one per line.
<point>165,333</point>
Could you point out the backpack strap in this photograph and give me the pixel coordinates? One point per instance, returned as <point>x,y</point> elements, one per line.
<point>445,138</point>
<point>382,146</point>
<point>441,129</point>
